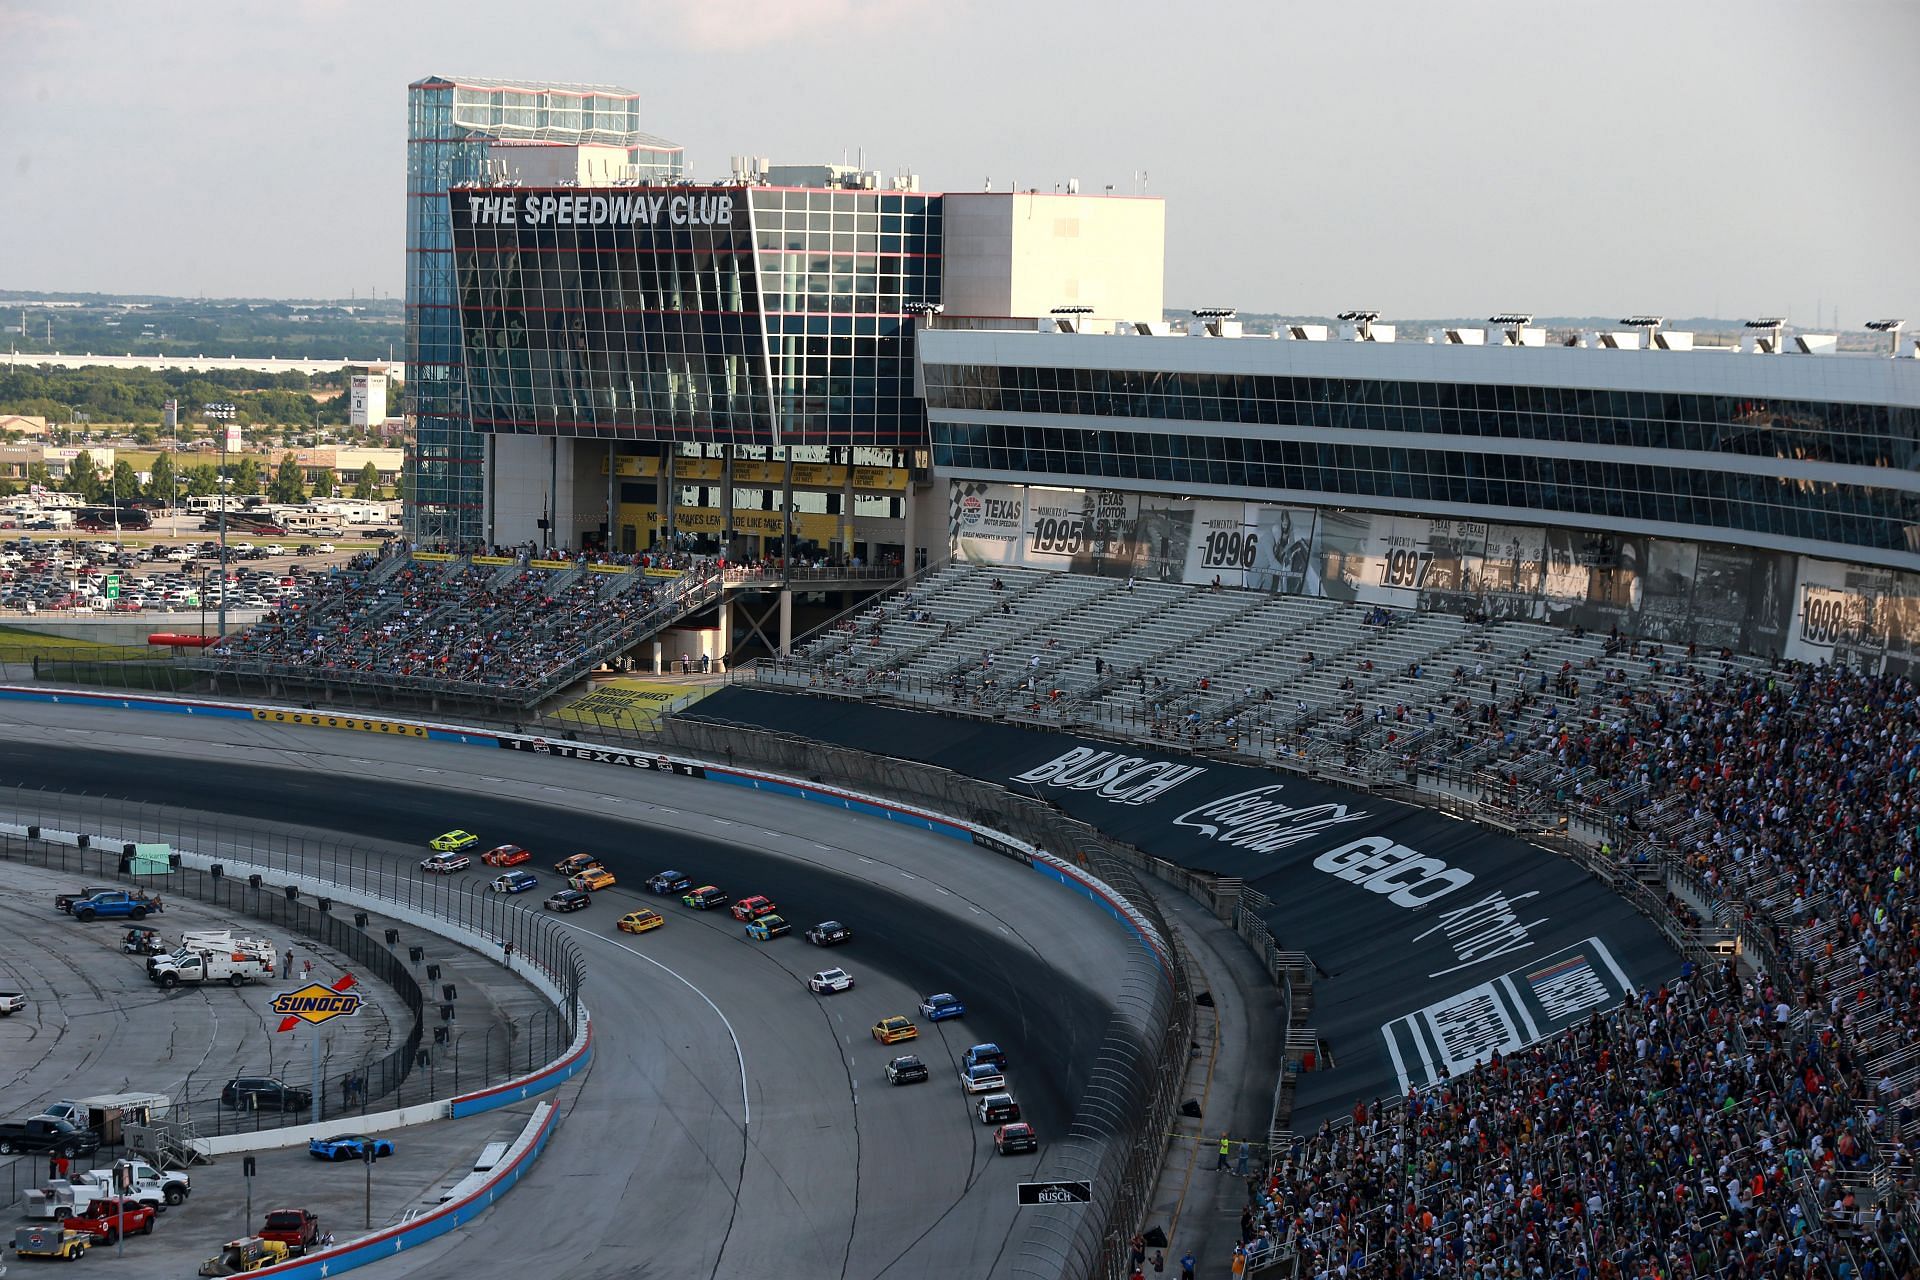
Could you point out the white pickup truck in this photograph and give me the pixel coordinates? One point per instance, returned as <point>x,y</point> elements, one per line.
<point>11,1002</point>
<point>206,964</point>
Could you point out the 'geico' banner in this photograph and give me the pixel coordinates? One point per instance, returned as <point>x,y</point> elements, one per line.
<point>602,755</point>
<point>325,721</point>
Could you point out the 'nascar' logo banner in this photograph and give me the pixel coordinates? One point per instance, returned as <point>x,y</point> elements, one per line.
<point>1503,1014</point>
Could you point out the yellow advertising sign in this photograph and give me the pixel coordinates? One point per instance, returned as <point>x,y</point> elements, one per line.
<point>608,568</point>
<point>806,524</point>
<point>753,473</point>
<point>634,705</point>
<point>493,559</point>
<point>551,564</point>
<point>436,557</point>
<point>314,1004</point>
<point>320,719</point>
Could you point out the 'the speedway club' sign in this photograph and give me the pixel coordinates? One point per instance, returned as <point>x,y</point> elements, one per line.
<point>1433,940</point>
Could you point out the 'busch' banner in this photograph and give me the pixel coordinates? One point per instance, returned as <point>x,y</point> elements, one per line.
<point>1435,943</point>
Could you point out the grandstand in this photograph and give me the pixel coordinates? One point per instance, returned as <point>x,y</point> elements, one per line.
<point>1753,1115</point>
<point>503,630</point>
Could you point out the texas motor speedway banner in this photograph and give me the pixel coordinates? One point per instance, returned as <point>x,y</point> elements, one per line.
<point>1435,943</point>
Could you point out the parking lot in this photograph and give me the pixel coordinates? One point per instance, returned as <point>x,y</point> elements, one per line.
<point>95,1025</point>
<point>92,574</point>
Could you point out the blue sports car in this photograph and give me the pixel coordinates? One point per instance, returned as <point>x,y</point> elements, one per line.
<point>348,1146</point>
<point>939,1008</point>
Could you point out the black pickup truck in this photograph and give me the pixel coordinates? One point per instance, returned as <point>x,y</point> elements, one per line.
<point>43,1133</point>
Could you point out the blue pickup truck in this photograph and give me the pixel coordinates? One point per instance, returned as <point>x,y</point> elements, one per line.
<point>116,904</point>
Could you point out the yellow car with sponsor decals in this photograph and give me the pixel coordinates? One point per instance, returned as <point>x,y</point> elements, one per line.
<point>641,921</point>
<point>453,841</point>
<point>895,1029</point>
<point>594,878</point>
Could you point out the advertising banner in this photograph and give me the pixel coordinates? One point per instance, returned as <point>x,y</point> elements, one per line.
<point>1840,616</point>
<point>1433,940</point>
<point>988,522</point>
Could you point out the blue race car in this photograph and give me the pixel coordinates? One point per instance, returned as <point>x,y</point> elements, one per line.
<point>940,1007</point>
<point>514,882</point>
<point>348,1146</point>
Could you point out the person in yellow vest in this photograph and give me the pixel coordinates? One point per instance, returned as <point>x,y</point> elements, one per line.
<point>1225,1147</point>
<point>1239,1261</point>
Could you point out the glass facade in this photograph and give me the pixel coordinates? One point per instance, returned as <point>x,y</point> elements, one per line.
<point>451,129</point>
<point>1865,435</point>
<point>1455,452</point>
<point>1847,514</point>
<point>727,315</point>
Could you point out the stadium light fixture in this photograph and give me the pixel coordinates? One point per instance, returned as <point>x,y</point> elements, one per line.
<point>1215,313</point>
<point>1362,321</point>
<point>1512,319</point>
<point>1073,311</point>
<point>1773,325</point>
<point>1888,326</point>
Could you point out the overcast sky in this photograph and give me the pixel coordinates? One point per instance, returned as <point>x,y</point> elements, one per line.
<point>1429,159</point>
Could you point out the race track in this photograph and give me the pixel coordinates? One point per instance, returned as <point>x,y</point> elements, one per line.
<point>663,1167</point>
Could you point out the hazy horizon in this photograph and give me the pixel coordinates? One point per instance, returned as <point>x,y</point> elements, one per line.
<point>1429,161</point>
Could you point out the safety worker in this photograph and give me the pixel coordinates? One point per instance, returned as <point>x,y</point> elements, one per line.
<point>1225,1148</point>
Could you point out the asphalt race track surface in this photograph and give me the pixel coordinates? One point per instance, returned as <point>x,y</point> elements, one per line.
<point>665,1166</point>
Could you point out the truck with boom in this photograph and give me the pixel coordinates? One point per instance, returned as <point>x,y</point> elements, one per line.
<point>205,964</point>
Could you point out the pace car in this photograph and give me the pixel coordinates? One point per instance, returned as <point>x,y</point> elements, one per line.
<point>506,855</point>
<point>568,900</point>
<point>829,980</point>
<point>938,1008</point>
<point>705,897</point>
<point>767,928</point>
<point>445,863</point>
<point>348,1146</point>
<point>595,878</point>
<point>574,864</point>
<point>514,882</point>
<point>668,882</point>
<point>753,908</point>
<point>895,1029</point>
<point>829,933</point>
<point>640,921</point>
<point>453,841</point>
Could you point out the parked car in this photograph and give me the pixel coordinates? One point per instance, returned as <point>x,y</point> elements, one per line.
<point>108,1220</point>
<point>265,1093</point>
<point>298,1229</point>
<point>45,1133</point>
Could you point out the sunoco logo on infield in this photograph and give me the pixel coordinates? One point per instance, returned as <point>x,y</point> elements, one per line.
<point>316,1004</point>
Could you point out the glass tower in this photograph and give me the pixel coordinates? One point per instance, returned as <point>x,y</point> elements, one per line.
<point>454,130</point>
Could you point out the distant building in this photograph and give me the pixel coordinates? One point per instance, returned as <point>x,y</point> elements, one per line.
<point>23,424</point>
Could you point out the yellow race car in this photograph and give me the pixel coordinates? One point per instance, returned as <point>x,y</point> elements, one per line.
<point>453,841</point>
<point>641,921</point>
<point>895,1029</point>
<point>593,878</point>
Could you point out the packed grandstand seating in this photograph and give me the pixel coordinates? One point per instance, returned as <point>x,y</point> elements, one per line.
<point>454,622</point>
<point>1728,1123</point>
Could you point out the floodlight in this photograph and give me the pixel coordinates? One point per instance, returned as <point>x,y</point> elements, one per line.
<point>1359,317</point>
<point>1520,318</point>
<point>1215,313</point>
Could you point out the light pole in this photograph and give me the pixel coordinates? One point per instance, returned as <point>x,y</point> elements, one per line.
<point>222,413</point>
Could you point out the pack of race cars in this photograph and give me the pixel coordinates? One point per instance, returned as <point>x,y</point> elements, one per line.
<point>982,1068</point>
